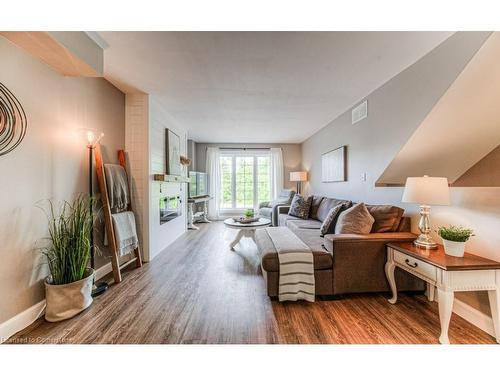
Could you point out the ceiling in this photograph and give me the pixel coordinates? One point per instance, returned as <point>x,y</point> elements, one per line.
<point>259,86</point>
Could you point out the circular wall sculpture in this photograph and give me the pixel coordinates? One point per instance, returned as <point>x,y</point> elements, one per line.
<point>13,122</point>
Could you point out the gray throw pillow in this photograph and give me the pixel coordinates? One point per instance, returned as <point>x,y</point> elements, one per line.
<point>300,206</point>
<point>387,217</point>
<point>355,220</point>
<point>328,225</point>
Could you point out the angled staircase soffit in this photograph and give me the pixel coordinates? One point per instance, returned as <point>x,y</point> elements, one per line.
<point>461,129</point>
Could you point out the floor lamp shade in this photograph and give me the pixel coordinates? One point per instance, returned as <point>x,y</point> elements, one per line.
<point>426,191</point>
<point>298,177</point>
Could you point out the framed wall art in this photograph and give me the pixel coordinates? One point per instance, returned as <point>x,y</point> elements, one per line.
<point>333,165</point>
<point>173,153</point>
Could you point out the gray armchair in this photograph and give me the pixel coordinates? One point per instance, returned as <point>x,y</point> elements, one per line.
<point>270,209</point>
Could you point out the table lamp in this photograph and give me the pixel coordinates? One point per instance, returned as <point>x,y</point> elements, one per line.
<point>298,177</point>
<point>426,191</point>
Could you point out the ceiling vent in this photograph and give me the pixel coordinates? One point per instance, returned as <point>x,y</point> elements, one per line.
<point>360,112</point>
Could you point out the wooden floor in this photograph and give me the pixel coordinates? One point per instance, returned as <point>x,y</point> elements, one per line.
<point>199,292</point>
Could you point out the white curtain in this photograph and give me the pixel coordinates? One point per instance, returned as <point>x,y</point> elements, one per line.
<point>276,171</point>
<point>213,170</point>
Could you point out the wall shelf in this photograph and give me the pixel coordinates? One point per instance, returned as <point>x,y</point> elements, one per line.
<point>170,178</point>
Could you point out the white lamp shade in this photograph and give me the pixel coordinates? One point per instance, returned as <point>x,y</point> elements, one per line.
<point>427,190</point>
<point>298,176</point>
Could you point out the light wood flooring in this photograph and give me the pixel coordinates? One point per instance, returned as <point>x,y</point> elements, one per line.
<point>198,292</point>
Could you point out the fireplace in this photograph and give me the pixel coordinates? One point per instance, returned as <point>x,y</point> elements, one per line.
<point>170,208</point>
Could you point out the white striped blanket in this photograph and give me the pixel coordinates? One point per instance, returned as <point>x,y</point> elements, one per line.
<point>296,278</point>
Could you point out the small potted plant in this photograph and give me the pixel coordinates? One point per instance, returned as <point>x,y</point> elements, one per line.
<point>454,239</point>
<point>249,213</point>
<point>68,288</point>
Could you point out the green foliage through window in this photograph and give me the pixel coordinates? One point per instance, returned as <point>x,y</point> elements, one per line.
<point>245,180</point>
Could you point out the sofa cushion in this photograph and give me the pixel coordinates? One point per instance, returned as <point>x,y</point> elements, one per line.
<point>300,206</point>
<point>269,257</point>
<point>386,217</point>
<point>303,224</point>
<point>316,201</point>
<point>328,225</point>
<point>355,220</point>
<point>265,211</point>
<point>284,218</point>
<point>284,198</point>
<point>327,204</point>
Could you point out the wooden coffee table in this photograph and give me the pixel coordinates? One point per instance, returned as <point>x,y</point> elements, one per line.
<point>245,230</point>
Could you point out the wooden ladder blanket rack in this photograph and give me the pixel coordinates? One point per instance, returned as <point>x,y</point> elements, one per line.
<point>115,255</point>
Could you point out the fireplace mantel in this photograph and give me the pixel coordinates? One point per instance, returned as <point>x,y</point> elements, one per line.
<point>170,178</point>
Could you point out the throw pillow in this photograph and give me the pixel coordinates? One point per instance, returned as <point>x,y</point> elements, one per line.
<point>387,217</point>
<point>300,206</point>
<point>355,220</point>
<point>316,201</point>
<point>328,225</point>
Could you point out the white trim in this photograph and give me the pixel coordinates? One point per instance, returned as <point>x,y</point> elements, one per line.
<point>474,316</point>
<point>27,317</point>
<point>21,320</point>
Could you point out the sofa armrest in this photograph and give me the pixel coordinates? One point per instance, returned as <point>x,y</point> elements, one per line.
<point>359,260</point>
<point>331,239</point>
<point>283,209</point>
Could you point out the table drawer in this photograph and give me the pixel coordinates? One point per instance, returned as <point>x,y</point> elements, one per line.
<point>415,265</point>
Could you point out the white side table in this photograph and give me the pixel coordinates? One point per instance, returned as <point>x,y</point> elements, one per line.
<point>449,275</point>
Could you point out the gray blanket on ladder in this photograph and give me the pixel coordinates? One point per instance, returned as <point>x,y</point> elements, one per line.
<point>119,199</point>
<point>116,181</point>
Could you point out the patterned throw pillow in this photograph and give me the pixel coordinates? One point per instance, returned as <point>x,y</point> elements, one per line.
<point>328,225</point>
<point>300,206</point>
<point>355,220</point>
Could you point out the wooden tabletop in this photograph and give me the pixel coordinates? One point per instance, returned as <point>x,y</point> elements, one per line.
<point>438,258</point>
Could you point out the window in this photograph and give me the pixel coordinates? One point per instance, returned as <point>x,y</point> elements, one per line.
<point>245,179</point>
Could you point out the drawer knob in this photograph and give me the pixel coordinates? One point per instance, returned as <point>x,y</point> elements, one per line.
<point>414,265</point>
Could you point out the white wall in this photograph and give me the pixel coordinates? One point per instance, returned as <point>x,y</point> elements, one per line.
<point>51,163</point>
<point>160,236</point>
<point>137,146</point>
<point>395,110</point>
<point>146,122</point>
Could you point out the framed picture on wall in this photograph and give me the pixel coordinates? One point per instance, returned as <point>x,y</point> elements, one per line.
<point>333,165</point>
<point>173,153</point>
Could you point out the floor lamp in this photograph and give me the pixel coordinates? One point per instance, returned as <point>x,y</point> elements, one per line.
<point>92,140</point>
<point>298,177</point>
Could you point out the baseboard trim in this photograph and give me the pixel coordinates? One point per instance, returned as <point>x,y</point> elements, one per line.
<point>27,317</point>
<point>21,321</point>
<point>474,316</point>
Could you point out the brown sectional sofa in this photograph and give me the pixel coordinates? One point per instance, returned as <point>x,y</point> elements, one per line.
<point>343,263</point>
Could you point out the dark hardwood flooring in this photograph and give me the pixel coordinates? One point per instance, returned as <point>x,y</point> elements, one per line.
<point>199,292</point>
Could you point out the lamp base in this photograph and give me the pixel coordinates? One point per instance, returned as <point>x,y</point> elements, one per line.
<point>425,241</point>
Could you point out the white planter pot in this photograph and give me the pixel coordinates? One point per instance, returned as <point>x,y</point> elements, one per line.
<point>66,300</point>
<point>453,248</point>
